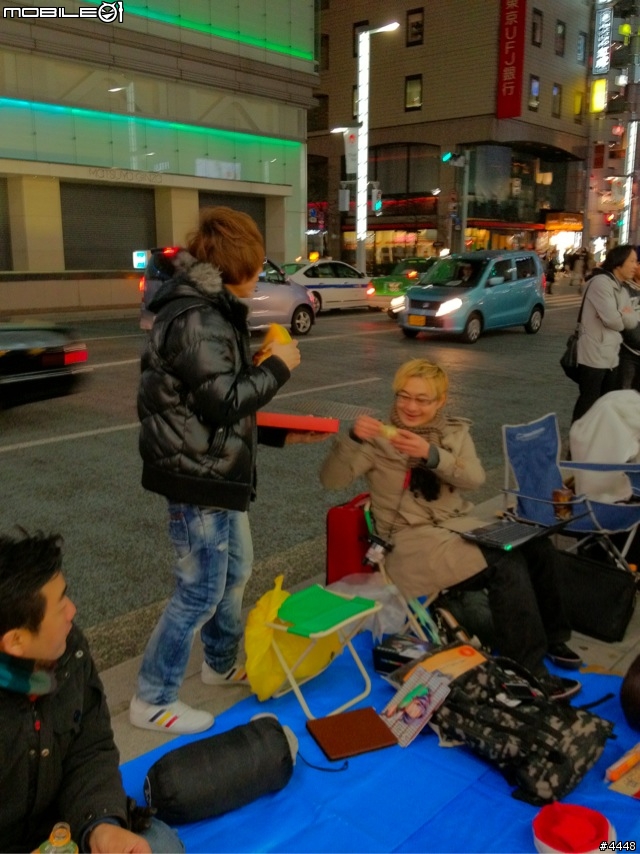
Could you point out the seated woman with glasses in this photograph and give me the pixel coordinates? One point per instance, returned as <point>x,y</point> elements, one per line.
<point>417,469</point>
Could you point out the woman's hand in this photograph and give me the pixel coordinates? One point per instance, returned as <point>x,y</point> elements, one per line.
<point>366,427</point>
<point>288,352</point>
<point>410,444</point>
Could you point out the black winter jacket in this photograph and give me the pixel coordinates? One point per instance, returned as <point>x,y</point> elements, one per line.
<point>199,392</point>
<point>59,760</point>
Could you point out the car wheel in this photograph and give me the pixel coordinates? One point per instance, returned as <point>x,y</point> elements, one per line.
<point>535,321</point>
<point>301,321</point>
<point>317,303</point>
<point>409,333</point>
<point>472,329</point>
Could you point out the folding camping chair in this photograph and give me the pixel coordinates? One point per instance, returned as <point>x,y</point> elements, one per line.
<point>316,613</point>
<point>532,460</point>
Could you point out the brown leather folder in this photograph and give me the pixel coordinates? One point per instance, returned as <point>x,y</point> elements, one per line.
<point>350,733</point>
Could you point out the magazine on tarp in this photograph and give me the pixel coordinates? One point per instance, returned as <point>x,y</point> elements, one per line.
<point>411,708</point>
<point>452,661</point>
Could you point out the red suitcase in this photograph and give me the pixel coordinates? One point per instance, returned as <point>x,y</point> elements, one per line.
<point>347,539</point>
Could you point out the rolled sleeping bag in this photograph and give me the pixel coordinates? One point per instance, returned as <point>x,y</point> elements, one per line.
<point>223,772</point>
<point>630,694</point>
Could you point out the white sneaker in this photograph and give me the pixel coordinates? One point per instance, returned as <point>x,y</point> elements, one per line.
<point>173,718</point>
<point>235,675</point>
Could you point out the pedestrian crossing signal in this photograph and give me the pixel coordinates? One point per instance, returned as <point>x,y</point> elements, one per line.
<point>376,202</point>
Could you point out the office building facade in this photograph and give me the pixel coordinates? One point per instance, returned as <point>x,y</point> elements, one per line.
<point>119,122</point>
<point>504,83</point>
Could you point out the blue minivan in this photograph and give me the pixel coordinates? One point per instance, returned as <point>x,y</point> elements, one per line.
<point>469,293</point>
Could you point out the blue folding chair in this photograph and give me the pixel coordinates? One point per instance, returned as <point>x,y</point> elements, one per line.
<point>532,461</point>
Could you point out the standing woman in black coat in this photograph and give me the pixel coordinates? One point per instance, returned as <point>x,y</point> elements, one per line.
<point>197,402</point>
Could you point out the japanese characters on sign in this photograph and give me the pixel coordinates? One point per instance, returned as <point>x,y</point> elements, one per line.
<point>512,27</point>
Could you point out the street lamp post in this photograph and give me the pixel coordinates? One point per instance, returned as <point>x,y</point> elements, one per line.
<point>465,201</point>
<point>362,174</point>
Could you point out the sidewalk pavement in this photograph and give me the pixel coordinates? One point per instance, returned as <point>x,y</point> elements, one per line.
<point>120,681</point>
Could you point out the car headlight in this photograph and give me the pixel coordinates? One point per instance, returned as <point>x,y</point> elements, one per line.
<point>397,303</point>
<point>449,306</point>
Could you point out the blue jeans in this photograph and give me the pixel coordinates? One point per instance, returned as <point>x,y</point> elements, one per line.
<point>162,839</point>
<point>214,556</point>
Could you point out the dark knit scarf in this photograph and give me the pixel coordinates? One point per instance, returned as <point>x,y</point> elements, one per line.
<point>423,481</point>
<point>21,676</point>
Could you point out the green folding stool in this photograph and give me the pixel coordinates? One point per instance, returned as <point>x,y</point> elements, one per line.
<point>315,613</point>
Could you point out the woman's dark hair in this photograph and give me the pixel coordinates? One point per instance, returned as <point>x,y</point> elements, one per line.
<point>617,256</point>
<point>26,565</point>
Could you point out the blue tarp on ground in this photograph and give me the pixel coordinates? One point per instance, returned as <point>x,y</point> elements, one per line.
<point>419,798</point>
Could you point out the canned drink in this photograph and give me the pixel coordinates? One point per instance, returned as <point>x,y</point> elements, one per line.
<point>562,502</point>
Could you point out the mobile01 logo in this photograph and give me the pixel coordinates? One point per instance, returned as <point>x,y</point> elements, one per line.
<point>107,13</point>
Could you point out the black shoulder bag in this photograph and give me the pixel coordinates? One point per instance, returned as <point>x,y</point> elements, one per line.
<point>569,359</point>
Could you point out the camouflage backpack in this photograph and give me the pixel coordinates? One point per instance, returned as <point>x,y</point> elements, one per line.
<point>542,747</point>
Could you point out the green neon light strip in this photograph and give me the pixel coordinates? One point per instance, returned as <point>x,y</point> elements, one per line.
<point>219,32</point>
<point>81,112</point>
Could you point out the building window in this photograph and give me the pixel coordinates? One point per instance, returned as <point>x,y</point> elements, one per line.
<point>561,37</point>
<point>534,92</point>
<point>578,106</point>
<point>581,48</point>
<point>318,117</point>
<point>556,100</point>
<point>413,92</point>
<point>324,52</point>
<point>357,28</point>
<point>536,28</point>
<point>415,27</point>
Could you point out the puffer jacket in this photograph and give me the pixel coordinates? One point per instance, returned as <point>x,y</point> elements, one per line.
<point>199,392</point>
<point>603,321</point>
<point>59,759</point>
<point>428,553</point>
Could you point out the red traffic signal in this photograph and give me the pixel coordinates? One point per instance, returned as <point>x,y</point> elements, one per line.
<point>609,218</point>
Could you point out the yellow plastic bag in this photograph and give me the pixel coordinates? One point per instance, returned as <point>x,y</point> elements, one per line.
<point>264,671</point>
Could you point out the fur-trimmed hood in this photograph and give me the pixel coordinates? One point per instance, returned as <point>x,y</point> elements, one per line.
<point>189,275</point>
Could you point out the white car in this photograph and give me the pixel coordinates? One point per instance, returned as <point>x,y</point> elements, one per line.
<point>332,284</point>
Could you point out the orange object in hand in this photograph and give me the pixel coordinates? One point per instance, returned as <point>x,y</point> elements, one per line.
<point>275,333</point>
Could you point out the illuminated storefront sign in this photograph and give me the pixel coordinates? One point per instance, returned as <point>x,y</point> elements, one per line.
<point>511,40</point>
<point>564,222</point>
<point>602,41</point>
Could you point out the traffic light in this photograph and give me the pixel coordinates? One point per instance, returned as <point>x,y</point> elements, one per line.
<point>609,218</point>
<point>376,202</point>
<point>453,159</point>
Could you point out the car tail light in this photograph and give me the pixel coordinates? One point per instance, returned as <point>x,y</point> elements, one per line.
<point>171,250</point>
<point>411,274</point>
<point>73,355</point>
<point>370,291</point>
<point>141,285</point>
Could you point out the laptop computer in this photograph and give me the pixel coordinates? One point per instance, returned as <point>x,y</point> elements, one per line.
<point>508,534</point>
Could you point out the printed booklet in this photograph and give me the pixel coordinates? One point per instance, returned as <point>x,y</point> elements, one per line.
<point>413,705</point>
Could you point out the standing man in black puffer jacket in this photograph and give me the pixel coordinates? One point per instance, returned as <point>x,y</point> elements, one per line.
<point>197,402</point>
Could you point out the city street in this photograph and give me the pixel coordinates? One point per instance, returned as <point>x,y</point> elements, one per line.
<point>71,464</point>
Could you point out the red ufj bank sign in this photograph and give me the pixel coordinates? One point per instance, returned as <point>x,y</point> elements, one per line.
<point>513,14</point>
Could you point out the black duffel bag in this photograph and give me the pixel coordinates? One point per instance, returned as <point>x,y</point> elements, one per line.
<point>599,596</point>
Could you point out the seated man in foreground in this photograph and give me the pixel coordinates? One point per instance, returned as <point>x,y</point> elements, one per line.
<point>60,762</point>
<point>416,469</point>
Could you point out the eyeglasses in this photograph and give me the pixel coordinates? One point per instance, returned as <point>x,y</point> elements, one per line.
<point>421,400</point>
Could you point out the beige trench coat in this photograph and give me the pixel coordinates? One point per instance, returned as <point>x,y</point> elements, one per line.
<point>427,556</point>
